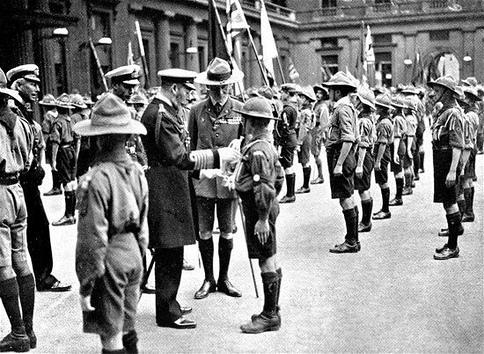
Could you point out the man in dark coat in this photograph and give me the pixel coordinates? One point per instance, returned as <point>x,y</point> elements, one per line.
<point>170,218</point>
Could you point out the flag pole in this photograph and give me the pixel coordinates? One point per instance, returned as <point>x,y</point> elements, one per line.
<point>224,37</point>
<point>98,64</point>
<point>280,70</point>
<point>264,74</point>
<point>142,53</point>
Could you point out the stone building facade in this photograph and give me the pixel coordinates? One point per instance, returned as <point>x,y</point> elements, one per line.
<point>311,33</point>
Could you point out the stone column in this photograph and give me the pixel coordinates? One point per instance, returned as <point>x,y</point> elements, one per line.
<point>162,43</point>
<point>191,41</point>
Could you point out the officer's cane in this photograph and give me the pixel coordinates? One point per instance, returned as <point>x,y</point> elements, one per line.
<point>242,217</point>
<point>146,276</point>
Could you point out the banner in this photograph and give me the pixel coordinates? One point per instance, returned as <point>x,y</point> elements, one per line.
<point>293,74</point>
<point>269,48</point>
<point>216,45</point>
<point>236,22</point>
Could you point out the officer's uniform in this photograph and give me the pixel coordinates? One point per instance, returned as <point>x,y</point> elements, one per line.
<point>112,231</point>
<point>16,280</point>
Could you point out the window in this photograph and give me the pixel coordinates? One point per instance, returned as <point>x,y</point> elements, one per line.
<point>328,3</point>
<point>329,66</point>
<point>330,42</point>
<point>175,55</point>
<point>383,65</point>
<point>382,38</point>
<point>440,35</point>
<point>201,58</point>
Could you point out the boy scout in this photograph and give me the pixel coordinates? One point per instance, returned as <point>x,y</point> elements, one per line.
<point>258,181</point>
<point>16,279</point>
<point>447,145</point>
<point>410,113</point>
<point>64,157</point>
<point>384,140</point>
<point>112,230</point>
<point>321,114</point>
<point>365,161</point>
<point>340,150</point>
<point>398,148</point>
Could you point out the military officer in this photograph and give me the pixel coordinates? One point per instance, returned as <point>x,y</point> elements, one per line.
<point>258,180</point>
<point>447,144</point>
<point>112,232</point>
<point>340,150</point>
<point>170,217</point>
<point>50,115</point>
<point>212,123</point>
<point>16,280</point>
<point>25,80</point>
<point>382,152</point>
<point>64,157</point>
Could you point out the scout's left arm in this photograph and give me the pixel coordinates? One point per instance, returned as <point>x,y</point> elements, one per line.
<point>264,193</point>
<point>143,217</point>
<point>456,141</point>
<point>348,138</point>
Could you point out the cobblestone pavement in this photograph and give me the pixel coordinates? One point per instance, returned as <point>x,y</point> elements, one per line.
<point>390,297</point>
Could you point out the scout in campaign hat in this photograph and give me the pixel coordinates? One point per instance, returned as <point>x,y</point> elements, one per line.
<point>109,116</point>
<point>257,107</point>
<point>64,101</point>
<point>48,101</point>
<point>219,73</point>
<point>128,75</point>
<point>366,96</point>
<point>181,76</point>
<point>446,82</point>
<point>27,71</point>
<point>77,101</point>
<point>308,93</point>
<point>6,91</point>
<point>341,79</point>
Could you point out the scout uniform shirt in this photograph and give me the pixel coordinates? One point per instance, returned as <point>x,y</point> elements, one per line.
<point>286,126</point>
<point>342,125</point>
<point>307,122</point>
<point>447,129</point>
<point>399,131</point>
<point>384,131</point>
<point>210,129</point>
<point>366,130</point>
<point>113,203</point>
<point>471,125</point>
<point>412,125</point>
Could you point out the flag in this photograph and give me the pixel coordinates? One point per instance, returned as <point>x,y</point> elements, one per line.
<point>360,59</point>
<point>293,74</point>
<point>326,72</point>
<point>216,45</point>
<point>130,60</point>
<point>269,48</point>
<point>369,59</point>
<point>236,22</point>
<point>418,70</point>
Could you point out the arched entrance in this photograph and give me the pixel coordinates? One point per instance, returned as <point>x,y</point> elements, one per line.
<point>441,62</point>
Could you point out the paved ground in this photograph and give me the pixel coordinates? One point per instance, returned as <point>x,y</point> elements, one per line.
<point>390,297</point>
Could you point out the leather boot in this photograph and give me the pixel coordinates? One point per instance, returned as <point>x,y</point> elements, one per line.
<point>224,251</point>
<point>290,185</point>
<point>13,342</point>
<point>422,159</point>
<point>469,205</point>
<point>268,320</point>
<point>306,176</point>
<point>130,342</point>
<point>206,251</point>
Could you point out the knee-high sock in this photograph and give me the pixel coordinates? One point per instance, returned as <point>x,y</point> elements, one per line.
<point>455,229</point>
<point>307,176</point>
<point>269,281</point>
<point>26,289</point>
<point>224,251</point>
<point>9,293</point>
<point>366,206</point>
<point>351,221</point>
<point>385,194</point>
<point>206,251</point>
<point>399,183</point>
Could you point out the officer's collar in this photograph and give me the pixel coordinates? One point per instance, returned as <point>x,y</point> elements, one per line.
<point>164,99</point>
<point>221,103</point>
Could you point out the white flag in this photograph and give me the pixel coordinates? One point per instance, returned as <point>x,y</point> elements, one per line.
<point>269,48</point>
<point>370,54</point>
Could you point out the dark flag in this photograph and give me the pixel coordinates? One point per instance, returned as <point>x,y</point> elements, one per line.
<point>216,45</point>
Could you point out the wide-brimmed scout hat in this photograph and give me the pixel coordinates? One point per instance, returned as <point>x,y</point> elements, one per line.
<point>341,79</point>
<point>290,87</point>
<point>471,92</point>
<point>181,76</point>
<point>411,90</point>
<point>6,91</point>
<point>366,96</point>
<point>257,107</point>
<point>219,73</point>
<point>308,93</point>
<point>398,102</point>
<point>317,87</point>
<point>48,100</point>
<point>27,71</point>
<point>77,101</point>
<point>384,100</point>
<point>127,74</point>
<point>64,101</point>
<point>447,82</point>
<point>109,116</point>
<point>470,81</point>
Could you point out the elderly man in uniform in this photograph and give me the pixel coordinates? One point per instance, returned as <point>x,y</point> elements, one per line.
<point>16,280</point>
<point>213,123</point>
<point>112,232</point>
<point>170,217</point>
<point>64,157</point>
<point>286,130</point>
<point>318,133</point>
<point>50,115</point>
<point>258,180</point>
<point>340,149</point>
<point>447,144</point>
<point>25,80</point>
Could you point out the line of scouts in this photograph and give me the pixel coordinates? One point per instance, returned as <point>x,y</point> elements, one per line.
<point>189,174</point>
